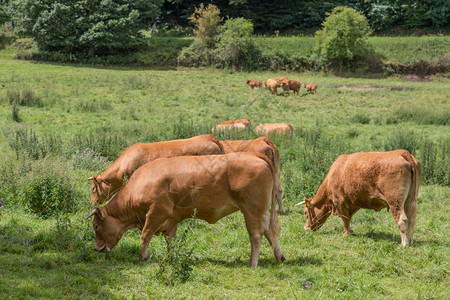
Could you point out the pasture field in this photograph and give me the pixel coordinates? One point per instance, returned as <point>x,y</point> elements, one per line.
<point>65,109</point>
<point>397,49</point>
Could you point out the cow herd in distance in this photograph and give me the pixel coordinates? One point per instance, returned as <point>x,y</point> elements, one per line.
<point>285,83</point>
<point>154,186</point>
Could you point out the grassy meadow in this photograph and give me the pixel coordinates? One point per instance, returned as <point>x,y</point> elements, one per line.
<point>51,113</point>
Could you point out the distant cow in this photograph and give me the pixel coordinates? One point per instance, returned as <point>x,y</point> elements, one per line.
<point>265,146</point>
<point>370,180</point>
<point>310,88</point>
<point>293,85</point>
<point>164,192</point>
<point>273,83</point>
<point>241,124</point>
<point>254,83</point>
<point>275,128</point>
<point>111,180</point>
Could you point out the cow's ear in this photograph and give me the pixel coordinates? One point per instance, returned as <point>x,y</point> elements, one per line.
<point>101,213</point>
<point>308,203</point>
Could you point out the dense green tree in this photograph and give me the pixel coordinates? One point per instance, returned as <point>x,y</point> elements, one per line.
<point>4,14</point>
<point>344,34</point>
<point>290,16</point>
<point>89,26</point>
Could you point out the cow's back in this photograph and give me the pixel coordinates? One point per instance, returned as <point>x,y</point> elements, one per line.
<point>363,176</point>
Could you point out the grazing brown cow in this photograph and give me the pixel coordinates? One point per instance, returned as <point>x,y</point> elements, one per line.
<point>166,191</point>
<point>254,83</point>
<point>310,88</point>
<point>275,128</point>
<point>111,180</point>
<point>294,85</point>
<point>273,83</point>
<point>370,180</point>
<point>265,146</point>
<point>241,124</point>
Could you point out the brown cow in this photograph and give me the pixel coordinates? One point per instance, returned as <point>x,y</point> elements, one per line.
<point>273,83</point>
<point>265,146</point>
<point>293,85</point>
<point>241,124</point>
<point>166,191</point>
<point>275,128</point>
<point>111,180</point>
<point>254,83</point>
<point>370,180</point>
<point>310,88</point>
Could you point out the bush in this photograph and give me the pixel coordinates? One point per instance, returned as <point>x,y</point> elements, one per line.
<point>206,22</point>
<point>27,142</point>
<point>176,265</point>
<point>344,35</point>
<point>47,194</point>
<point>89,27</point>
<point>25,98</point>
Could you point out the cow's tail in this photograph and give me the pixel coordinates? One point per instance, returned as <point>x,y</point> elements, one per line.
<point>291,131</point>
<point>276,166</point>
<point>411,200</point>
<point>216,141</point>
<point>274,226</point>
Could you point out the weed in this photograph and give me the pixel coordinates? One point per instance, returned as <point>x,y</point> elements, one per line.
<point>176,265</point>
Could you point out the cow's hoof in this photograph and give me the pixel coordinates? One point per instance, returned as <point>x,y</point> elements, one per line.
<point>282,259</point>
<point>281,212</point>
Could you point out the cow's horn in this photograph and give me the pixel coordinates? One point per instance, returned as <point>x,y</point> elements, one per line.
<point>90,178</point>
<point>300,203</point>
<point>91,213</point>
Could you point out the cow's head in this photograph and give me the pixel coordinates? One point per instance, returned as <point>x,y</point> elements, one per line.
<point>108,230</point>
<point>100,190</point>
<point>315,215</point>
<point>247,82</point>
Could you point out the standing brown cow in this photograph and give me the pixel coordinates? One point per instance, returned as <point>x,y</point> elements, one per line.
<point>370,180</point>
<point>254,83</point>
<point>285,129</point>
<point>110,181</point>
<point>164,192</point>
<point>310,88</point>
<point>265,146</point>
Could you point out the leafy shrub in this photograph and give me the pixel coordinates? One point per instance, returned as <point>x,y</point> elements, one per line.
<point>402,139</point>
<point>15,113</point>
<point>344,35</point>
<point>88,159</point>
<point>25,98</point>
<point>421,115</point>
<point>176,265</point>
<point>47,194</point>
<point>435,160</point>
<point>360,118</point>
<point>27,142</point>
<point>206,21</point>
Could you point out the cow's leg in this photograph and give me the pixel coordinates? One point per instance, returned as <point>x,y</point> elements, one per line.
<point>280,200</point>
<point>402,221</point>
<point>272,237</point>
<point>255,230</point>
<point>411,212</point>
<point>346,218</point>
<point>154,219</point>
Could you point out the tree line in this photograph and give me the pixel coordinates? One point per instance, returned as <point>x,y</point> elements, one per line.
<point>293,16</point>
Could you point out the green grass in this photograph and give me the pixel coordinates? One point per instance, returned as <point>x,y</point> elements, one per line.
<point>111,108</point>
<point>397,49</point>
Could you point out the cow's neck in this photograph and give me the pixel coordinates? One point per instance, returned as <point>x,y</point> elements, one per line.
<point>122,209</point>
<point>321,199</point>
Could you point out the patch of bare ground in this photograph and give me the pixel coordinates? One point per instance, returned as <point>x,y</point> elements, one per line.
<point>416,78</point>
<point>373,88</point>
